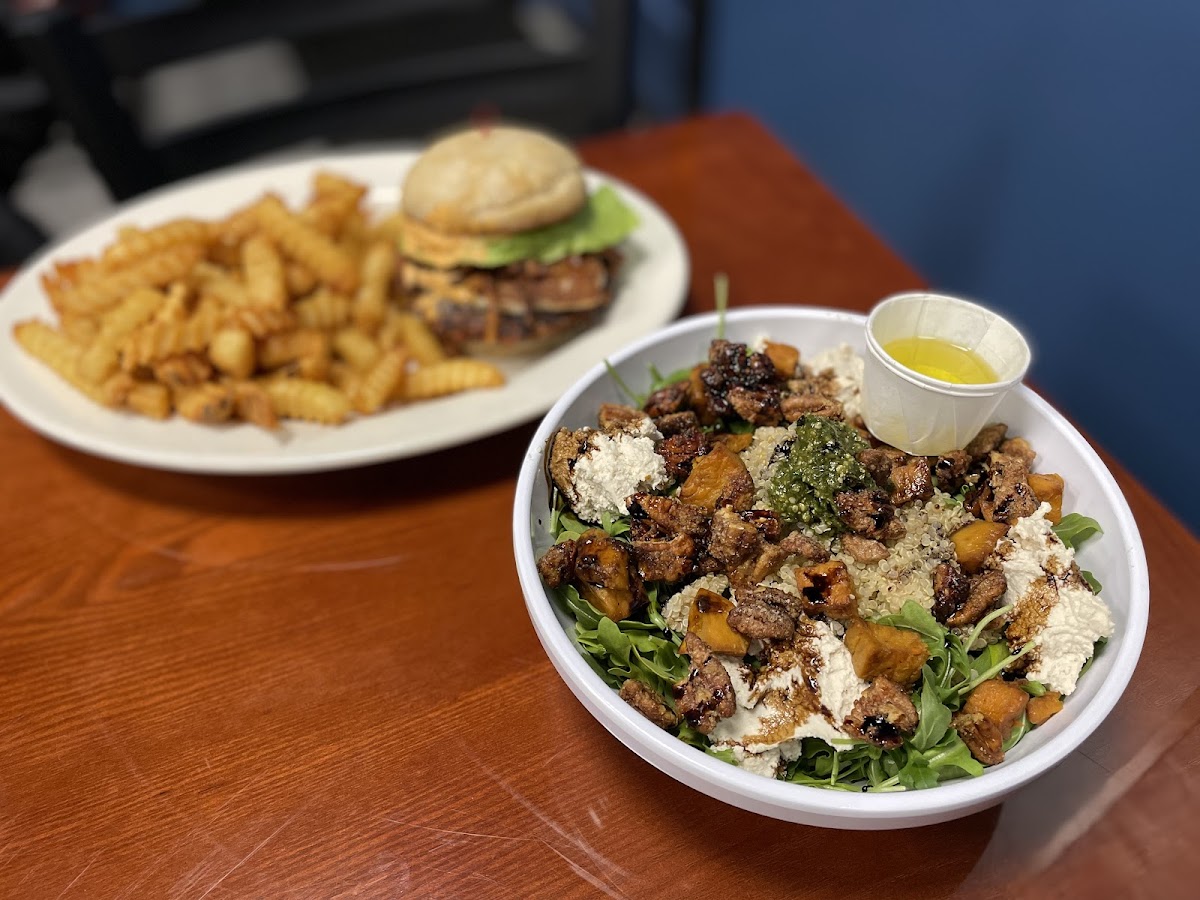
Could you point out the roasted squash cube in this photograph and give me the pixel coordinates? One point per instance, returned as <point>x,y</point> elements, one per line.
<point>877,650</point>
<point>974,543</point>
<point>708,619</point>
<point>605,575</point>
<point>784,357</point>
<point>1042,708</point>
<point>719,477</point>
<point>1000,702</point>
<point>1049,489</point>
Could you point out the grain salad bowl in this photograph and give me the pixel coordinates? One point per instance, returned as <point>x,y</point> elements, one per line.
<point>1116,558</point>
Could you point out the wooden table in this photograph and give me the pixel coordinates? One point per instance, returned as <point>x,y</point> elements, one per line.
<point>327,686</point>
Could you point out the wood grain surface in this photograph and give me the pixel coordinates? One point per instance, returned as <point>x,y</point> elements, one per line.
<point>327,685</point>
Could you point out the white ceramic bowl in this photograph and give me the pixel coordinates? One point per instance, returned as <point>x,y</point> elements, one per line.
<point>1117,558</point>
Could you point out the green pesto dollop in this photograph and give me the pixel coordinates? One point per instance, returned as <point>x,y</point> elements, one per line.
<point>821,462</point>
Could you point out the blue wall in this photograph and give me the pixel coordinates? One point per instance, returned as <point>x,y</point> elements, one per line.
<point>1042,157</point>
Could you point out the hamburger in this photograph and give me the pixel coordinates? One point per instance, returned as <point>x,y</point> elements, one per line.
<point>505,249</point>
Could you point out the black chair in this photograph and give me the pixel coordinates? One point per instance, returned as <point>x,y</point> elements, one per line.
<point>376,69</point>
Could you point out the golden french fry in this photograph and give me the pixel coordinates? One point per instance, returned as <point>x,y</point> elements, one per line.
<point>150,399</point>
<point>356,348</point>
<point>265,285</point>
<point>307,245</point>
<point>207,403</point>
<point>134,244</point>
<point>323,309</point>
<point>188,316</point>
<point>252,404</point>
<point>451,377</point>
<point>381,382</point>
<point>370,302</point>
<point>314,401</point>
<point>232,351</point>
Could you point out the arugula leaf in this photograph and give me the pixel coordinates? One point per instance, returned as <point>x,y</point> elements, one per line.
<point>1092,581</point>
<point>1033,688</point>
<point>916,618</point>
<point>990,656</point>
<point>615,525</point>
<point>934,716</point>
<point>625,389</point>
<point>614,641</point>
<point>1073,529</point>
<point>1021,729</point>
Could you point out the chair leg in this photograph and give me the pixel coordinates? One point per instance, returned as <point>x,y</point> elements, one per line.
<point>56,46</point>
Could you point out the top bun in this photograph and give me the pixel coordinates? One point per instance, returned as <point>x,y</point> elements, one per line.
<point>494,181</point>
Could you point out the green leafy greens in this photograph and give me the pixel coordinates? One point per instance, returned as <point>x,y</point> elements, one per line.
<point>603,222</point>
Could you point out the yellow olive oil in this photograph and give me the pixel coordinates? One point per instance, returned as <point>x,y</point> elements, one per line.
<point>941,359</point>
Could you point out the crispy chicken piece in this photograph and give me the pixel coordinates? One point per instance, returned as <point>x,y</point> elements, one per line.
<point>986,441</point>
<point>864,550</point>
<point>799,544</point>
<point>950,590</point>
<point>869,513</point>
<point>677,423</point>
<point>1007,496</point>
<point>737,375</point>
<point>950,470</point>
<point>883,714</point>
<point>642,698</point>
<point>706,696</point>
<point>764,614</point>
<point>911,481</point>
<point>880,461</point>
<point>681,450</point>
<point>732,540</point>
<point>614,417</point>
<point>670,561</point>
<point>557,565</point>
<point>752,571</point>
<point>759,407</point>
<point>985,589</point>
<point>667,516</point>
<point>667,400</point>
<point>894,653</point>
<point>796,406</point>
<point>1020,448</point>
<point>981,735</point>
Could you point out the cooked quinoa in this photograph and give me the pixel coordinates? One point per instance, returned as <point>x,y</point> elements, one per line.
<point>907,574</point>
<point>761,459</point>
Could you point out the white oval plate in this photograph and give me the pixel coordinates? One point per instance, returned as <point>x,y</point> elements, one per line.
<point>651,291</point>
<point>1117,559</point>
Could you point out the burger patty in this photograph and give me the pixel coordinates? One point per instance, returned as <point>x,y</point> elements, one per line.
<point>516,303</point>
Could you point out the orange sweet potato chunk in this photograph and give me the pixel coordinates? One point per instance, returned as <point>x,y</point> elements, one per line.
<point>708,619</point>
<point>881,650</point>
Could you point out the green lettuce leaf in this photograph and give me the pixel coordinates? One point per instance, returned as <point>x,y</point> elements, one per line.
<point>603,222</point>
<point>1074,529</point>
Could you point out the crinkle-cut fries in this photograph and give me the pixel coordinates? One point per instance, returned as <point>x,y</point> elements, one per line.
<point>268,314</point>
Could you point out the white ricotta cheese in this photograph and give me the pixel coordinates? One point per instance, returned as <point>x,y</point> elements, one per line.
<point>777,707</point>
<point>847,367</point>
<point>612,468</point>
<point>1039,569</point>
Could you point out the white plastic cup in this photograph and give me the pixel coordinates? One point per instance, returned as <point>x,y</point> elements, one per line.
<point>926,416</point>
